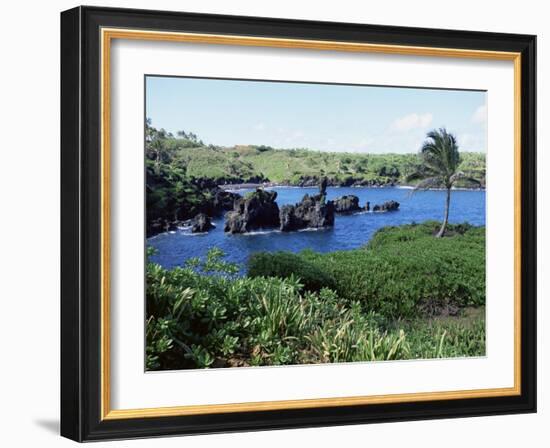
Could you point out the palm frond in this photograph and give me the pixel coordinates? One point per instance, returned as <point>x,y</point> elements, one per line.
<point>425,184</point>
<point>430,182</point>
<point>417,175</point>
<point>440,152</point>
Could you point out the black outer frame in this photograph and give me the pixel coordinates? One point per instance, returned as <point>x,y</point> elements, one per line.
<point>81,207</point>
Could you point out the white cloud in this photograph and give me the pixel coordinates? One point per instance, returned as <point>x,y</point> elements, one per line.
<point>480,115</point>
<point>260,127</point>
<point>412,121</point>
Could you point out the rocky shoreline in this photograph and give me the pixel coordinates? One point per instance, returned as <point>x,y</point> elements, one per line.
<point>213,202</point>
<point>308,181</point>
<point>314,182</point>
<point>259,210</point>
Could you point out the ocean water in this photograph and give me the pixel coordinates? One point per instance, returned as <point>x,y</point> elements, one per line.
<point>349,231</point>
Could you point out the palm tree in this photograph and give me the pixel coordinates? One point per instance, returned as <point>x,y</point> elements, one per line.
<point>440,160</point>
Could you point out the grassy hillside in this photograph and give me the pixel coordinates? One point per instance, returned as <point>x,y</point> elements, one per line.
<point>245,163</point>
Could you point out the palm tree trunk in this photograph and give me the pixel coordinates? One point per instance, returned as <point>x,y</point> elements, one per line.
<point>446,218</point>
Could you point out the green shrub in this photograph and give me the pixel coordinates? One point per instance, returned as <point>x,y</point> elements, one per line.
<point>286,264</point>
<point>411,232</point>
<point>403,273</point>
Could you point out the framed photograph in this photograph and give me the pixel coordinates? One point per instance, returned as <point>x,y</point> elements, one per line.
<point>273,223</point>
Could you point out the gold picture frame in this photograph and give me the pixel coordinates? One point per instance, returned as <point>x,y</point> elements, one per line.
<point>109,34</point>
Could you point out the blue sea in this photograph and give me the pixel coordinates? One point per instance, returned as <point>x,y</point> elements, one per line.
<point>349,232</point>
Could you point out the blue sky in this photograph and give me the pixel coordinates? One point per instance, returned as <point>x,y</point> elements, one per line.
<point>317,116</point>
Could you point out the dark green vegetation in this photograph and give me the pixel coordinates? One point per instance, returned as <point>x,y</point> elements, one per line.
<point>406,295</point>
<point>402,273</point>
<point>169,192</point>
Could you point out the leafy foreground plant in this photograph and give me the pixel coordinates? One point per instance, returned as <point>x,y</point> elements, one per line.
<point>203,315</point>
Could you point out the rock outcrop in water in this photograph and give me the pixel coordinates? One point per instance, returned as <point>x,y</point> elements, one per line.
<point>259,210</point>
<point>255,211</point>
<point>312,212</point>
<point>217,201</point>
<point>388,206</point>
<point>224,200</point>
<point>160,225</point>
<point>201,223</point>
<point>323,186</point>
<point>347,204</point>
